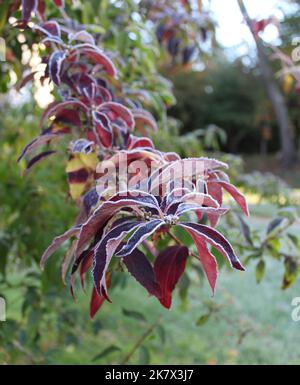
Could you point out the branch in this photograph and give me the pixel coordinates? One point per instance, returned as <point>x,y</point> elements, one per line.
<point>141,340</point>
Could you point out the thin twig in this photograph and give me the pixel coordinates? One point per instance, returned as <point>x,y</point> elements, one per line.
<point>141,340</point>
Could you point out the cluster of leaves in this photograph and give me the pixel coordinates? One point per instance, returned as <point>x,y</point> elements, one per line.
<point>101,118</point>
<point>279,241</point>
<point>180,27</point>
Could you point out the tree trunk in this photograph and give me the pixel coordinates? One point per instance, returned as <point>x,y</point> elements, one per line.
<point>274,93</point>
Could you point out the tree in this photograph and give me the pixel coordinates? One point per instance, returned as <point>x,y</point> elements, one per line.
<point>274,93</point>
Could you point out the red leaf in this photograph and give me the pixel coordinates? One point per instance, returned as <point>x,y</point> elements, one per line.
<point>97,300</point>
<point>168,267</point>
<point>119,111</point>
<point>103,129</point>
<point>49,28</point>
<point>143,117</point>
<point>97,56</point>
<point>59,3</point>
<point>236,195</point>
<point>207,260</point>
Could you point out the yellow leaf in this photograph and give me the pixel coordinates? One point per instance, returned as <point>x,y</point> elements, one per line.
<point>74,164</point>
<point>288,82</point>
<point>89,160</point>
<point>76,190</point>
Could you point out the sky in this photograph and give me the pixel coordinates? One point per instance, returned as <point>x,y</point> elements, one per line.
<point>232,32</point>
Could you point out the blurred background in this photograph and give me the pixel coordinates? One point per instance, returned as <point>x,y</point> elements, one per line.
<point>235,96</point>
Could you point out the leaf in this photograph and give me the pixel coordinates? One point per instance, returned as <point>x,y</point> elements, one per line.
<point>134,314</point>
<point>105,250</point>
<point>207,260</point>
<point>236,195</point>
<point>202,320</point>
<point>103,129</point>
<point>141,269</point>
<point>44,138</point>
<point>245,230</point>
<point>143,232</point>
<point>138,142</point>
<point>97,300</point>
<point>50,28</point>
<point>83,36</point>
<point>217,240</point>
<point>295,240</point>
<point>276,222</point>
<point>169,266</point>
<point>144,358</point>
<point>97,56</point>
<point>67,260</point>
<point>57,109</point>
<point>119,111</point>
<point>59,3</point>
<point>106,352</point>
<point>28,6</point>
<point>57,242</point>
<point>109,208</point>
<point>260,270</point>
<point>36,159</point>
<point>55,66</point>
<point>143,117</point>
<point>291,272</point>
<point>190,168</point>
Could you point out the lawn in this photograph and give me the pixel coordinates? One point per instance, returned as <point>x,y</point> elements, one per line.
<point>250,324</point>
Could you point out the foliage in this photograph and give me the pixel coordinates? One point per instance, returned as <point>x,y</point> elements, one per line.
<point>101,117</point>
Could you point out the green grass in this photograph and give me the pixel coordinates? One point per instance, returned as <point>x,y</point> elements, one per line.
<point>252,326</point>
<point>262,311</point>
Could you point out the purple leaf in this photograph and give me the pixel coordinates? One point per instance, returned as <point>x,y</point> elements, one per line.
<point>143,232</point>
<point>216,239</point>
<point>28,6</point>
<point>57,242</point>
<point>141,269</point>
<point>38,158</point>
<point>104,252</point>
<point>109,208</point>
<point>55,66</point>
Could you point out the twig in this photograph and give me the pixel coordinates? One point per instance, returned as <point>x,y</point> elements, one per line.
<point>141,340</point>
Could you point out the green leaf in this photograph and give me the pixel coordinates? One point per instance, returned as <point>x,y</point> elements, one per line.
<point>291,272</point>
<point>274,224</point>
<point>133,314</point>
<point>245,230</point>
<point>203,319</point>
<point>260,270</point>
<point>106,352</point>
<point>294,239</point>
